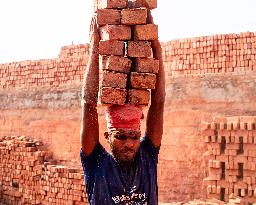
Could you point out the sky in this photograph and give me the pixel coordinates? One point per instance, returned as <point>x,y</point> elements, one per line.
<point>37,29</point>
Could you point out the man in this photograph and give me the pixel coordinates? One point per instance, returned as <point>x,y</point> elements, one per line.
<point>127,175</point>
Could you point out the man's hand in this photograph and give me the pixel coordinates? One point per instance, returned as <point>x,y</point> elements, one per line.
<point>89,134</point>
<point>154,126</point>
<point>94,36</point>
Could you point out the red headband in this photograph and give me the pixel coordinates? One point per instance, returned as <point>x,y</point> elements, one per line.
<point>124,117</point>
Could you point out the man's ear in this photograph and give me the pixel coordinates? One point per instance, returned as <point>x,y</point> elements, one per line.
<point>106,135</point>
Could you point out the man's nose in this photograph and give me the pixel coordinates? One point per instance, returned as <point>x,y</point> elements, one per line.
<point>129,143</point>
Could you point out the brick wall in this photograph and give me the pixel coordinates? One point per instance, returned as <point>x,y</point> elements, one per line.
<point>29,175</point>
<point>211,54</point>
<point>231,149</point>
<point>67,69</point>
<point>201,55</point>
<point>48,108</point>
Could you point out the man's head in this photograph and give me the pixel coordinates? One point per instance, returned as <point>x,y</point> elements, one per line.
<point>123,122</point>
<point>124,144</point>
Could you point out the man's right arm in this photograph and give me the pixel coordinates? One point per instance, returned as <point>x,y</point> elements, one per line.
<point>89,134</point>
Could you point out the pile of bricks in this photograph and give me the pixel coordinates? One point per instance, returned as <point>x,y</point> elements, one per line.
<point>67,69</point>
<point>231,145</point>
<point>74,51</point>
<point>222,53</point>
<point>128,70</point>
<point>29,175</point>
<point>226,53</point>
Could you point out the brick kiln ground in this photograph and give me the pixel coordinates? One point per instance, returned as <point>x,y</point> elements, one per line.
<point>205,77</point>
<point>30,175</point>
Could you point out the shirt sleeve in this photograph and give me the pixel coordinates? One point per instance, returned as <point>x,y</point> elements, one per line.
<point>148,147</point>
<point>90,162</point>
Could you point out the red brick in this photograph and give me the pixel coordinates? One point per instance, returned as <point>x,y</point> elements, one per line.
<point>115,32</point>
<point>115,63</point>
<point>139,49</point>
<point>146,32</point>
<point>138,97</point>
<point>134,16</point>
<point>113,79</point>
<point>111,47</point>
<point>219,119</point>
<point>112,4</point>
<point>208,181</point>
<point>151,4</point>
<point>143,80</point>
<point>146,65</point>
<point>208,132</point>
<point>108,16</point>
<point>112,96</point>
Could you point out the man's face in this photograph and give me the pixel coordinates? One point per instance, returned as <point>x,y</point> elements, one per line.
<point>124,145</point>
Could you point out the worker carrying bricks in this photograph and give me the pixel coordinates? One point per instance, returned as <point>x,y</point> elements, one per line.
<point>128,173</point>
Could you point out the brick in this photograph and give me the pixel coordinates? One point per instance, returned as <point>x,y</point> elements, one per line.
<point>111,47</point>
<point>142,80</point>
<point>113,79</point>
<point>134,16</point>
<point>115,63</point>
<point>219,119</point>
<point>146,32</point>
<point>139,49</point>
<point>208,132</point>
<point>115,32</point>
<point>151,4</point>
<point>112,4</point>
<point>146,65</point>
<point>207,182</point>
<point>108,16</point>
<point>138,97</point>
<point>112,96</point>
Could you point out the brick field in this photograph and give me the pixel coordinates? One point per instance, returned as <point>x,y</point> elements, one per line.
<point>205,77</point>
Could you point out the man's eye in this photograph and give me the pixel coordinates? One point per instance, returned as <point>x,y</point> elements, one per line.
<point>121,137</point>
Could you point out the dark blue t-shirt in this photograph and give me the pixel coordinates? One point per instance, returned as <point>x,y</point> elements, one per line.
<point>107,183</point>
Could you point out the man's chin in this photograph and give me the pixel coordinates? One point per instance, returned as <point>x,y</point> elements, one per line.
<point>125,161</point>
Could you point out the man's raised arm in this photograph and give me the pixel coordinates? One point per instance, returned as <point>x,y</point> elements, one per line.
<point>154,125</point>
<point>89,134</point>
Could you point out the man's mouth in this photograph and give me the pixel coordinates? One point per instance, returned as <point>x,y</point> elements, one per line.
<point>128,152</point>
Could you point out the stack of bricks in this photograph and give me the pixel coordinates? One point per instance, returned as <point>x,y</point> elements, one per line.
<point>218,54</point>
<point>67,69</point>
<point>29,175</point>
<point>231,145</point>
<point>128,70</point>
<point>222,53</point>
<point>62,185</point>
<point>74,51</point>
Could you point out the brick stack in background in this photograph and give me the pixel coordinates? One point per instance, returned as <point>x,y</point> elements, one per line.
<point>67,69</point>
<point>217,54</point>
<point>231,145</point>
<point>29,175</point>
<point>221,53</point>
<point>127,68</point>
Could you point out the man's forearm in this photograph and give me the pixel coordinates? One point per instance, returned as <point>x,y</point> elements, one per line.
<point>91,80</point>
<point>155,118</point>
<point>90,126</point>
<point>158,95</point>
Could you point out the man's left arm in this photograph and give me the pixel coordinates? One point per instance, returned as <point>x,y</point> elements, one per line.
<point>154,124</point>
